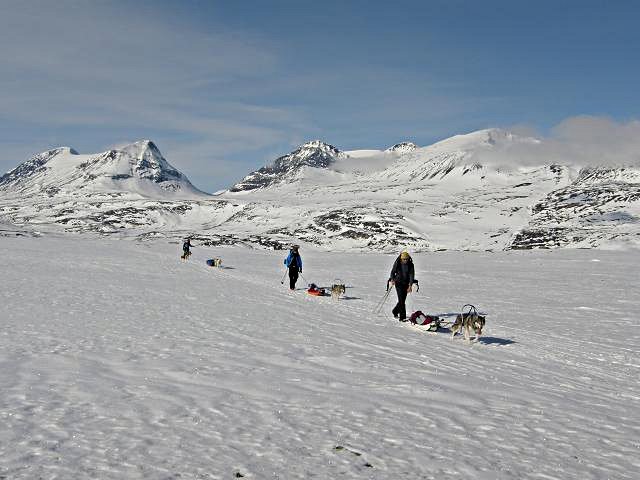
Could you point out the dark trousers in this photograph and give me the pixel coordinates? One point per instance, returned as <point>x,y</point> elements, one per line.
<point>400,309</point>
<point>293,278</point>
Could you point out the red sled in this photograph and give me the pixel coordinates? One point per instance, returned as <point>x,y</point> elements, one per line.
<point>316,291</point>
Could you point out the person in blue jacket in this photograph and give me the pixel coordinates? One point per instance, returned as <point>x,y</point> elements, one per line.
<point>294,264</point>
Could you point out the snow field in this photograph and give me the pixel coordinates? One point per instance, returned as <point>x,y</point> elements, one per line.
<point>120,361</point>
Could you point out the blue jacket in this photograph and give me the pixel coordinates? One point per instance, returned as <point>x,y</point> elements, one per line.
<point>292,260</point>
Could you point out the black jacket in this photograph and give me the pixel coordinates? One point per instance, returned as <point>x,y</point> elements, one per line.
<point>402,273</point>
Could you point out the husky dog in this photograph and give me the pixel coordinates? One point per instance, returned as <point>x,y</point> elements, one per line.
<point>214,262</point>
<point>468,321</point>
<point>337,290</point>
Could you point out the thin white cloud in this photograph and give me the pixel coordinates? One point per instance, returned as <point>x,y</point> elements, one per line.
<point>118,44</point>
<point>124,72</point>
<point>113,67</point>
<point>581,141</point>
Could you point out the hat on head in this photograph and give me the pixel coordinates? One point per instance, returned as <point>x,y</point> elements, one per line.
<point>405,256</point>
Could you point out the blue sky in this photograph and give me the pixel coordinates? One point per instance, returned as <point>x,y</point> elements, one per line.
<point>225,87</point>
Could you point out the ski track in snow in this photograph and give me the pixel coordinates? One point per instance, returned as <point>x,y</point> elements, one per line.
<point>120,361</point>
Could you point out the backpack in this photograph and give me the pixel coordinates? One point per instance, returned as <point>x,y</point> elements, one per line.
<point>419,318</point>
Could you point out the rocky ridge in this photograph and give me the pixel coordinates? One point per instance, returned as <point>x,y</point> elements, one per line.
<point>314,154</point>
<point>438,197</point>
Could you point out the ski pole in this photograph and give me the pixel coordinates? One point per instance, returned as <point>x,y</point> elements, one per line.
<point>282,281</point>
<point>380,304</point>
<point>382,301</point>
<point>303,279</point>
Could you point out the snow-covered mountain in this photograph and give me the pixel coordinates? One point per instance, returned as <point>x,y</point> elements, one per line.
<point>467,192</point>
<point>136,169</point>
<point>315,154</point>
<point>131,190</point>
<point>601,206</point>
<point>458,193</point>
<point>402,147</point>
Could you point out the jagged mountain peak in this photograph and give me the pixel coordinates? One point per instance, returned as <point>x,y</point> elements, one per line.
<point>137,168</point>
<point>402,148</point>
<point>314,154</point>
<point>317,144</point>
<point>147,162</point>
<point>141,148</point>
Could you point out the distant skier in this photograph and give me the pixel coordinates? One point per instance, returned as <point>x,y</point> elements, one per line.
<point>186,249</point>
<point>294,264</point>
<point>402,276</point>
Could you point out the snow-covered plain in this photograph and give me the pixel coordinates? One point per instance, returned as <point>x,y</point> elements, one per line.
<point>120,361</point>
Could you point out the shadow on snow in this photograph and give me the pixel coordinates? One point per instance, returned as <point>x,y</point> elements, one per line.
<point>495,341</point>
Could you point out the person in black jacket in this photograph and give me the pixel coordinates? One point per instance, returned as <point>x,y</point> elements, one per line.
<point>186,249</point>
<point>402,276</point>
